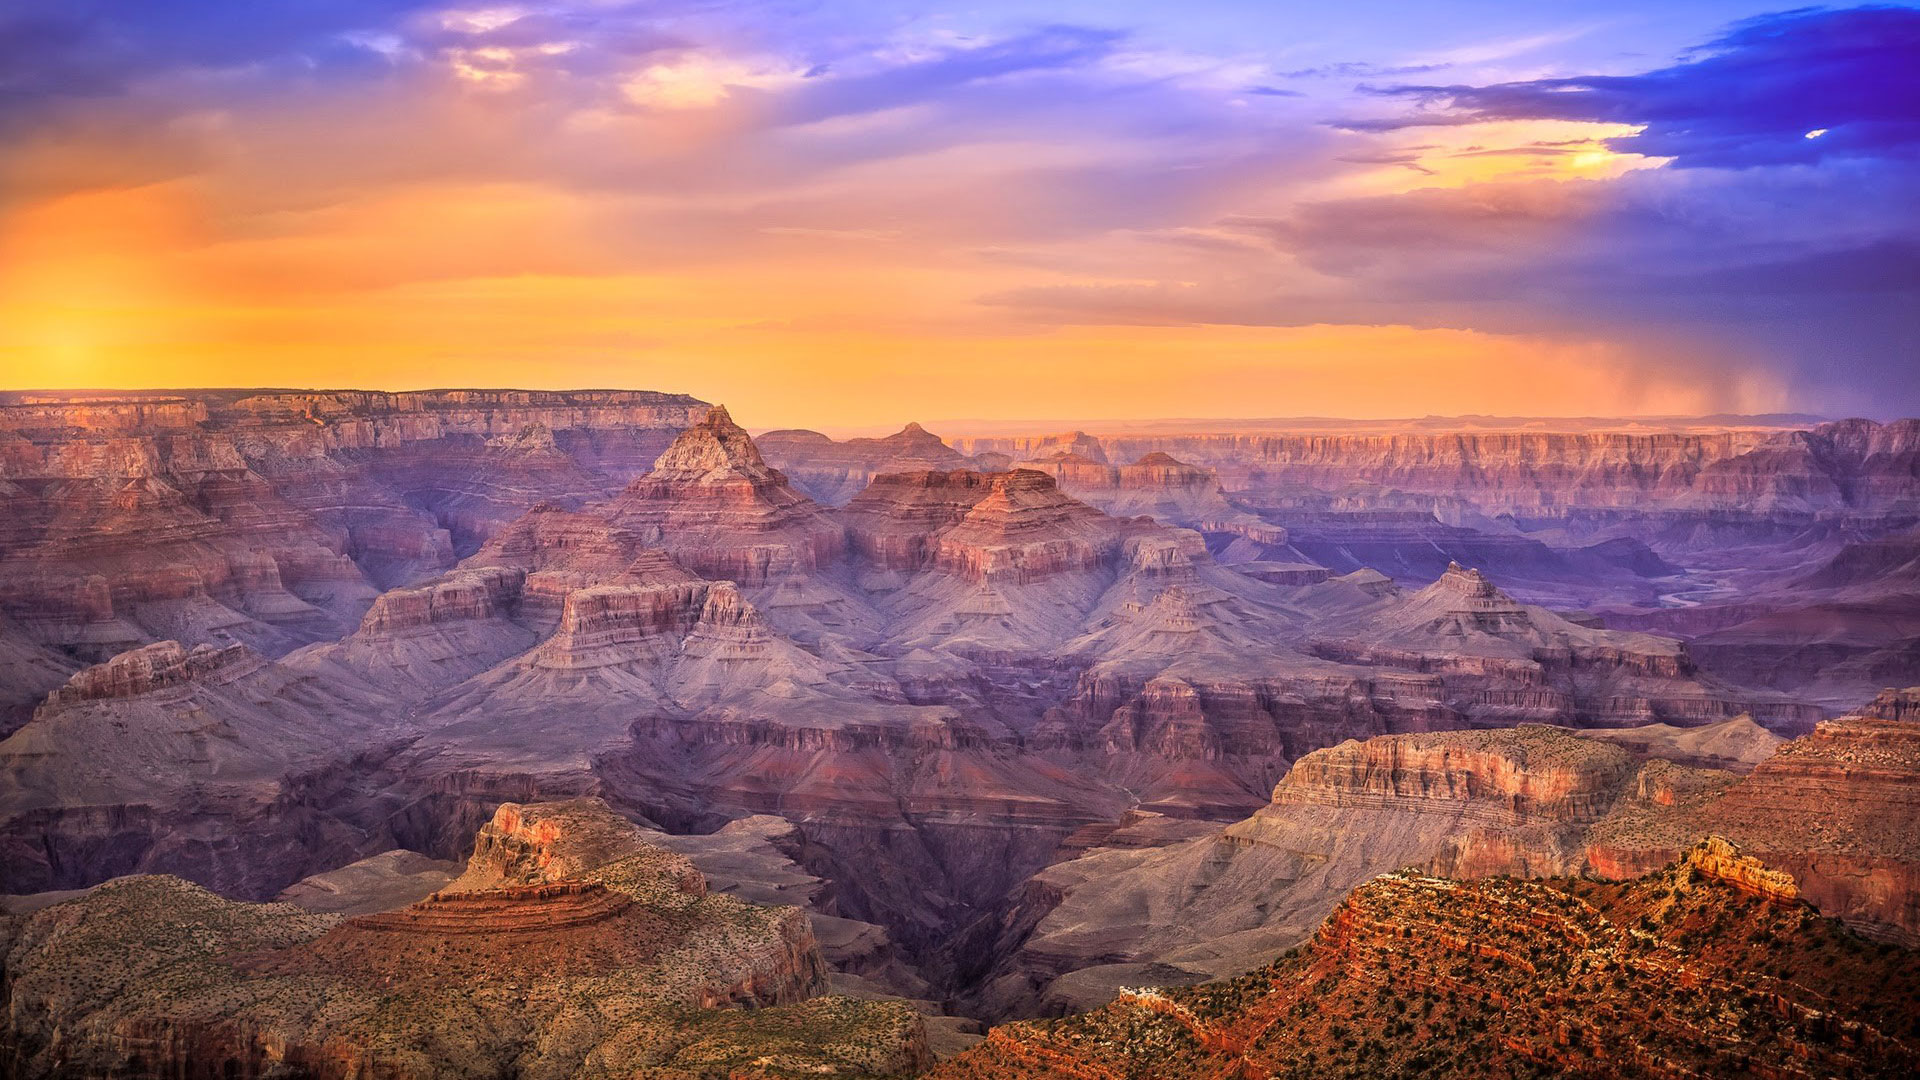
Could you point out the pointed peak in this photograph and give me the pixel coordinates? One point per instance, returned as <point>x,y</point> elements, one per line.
<point>913,428</point>
<point>1160,457</point>
<point>713,448</point>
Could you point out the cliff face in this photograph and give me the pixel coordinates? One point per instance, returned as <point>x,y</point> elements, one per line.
<point>1836,809</point>
<point>1854,464</point>
<point>1506,801</point>
<point>939,683</point>
<point>571,943</point>
<point>272,518</point>
<point>1830,815</point>
<point>1504,776</point>
<point>217,764</point>
<point>1678,974</point>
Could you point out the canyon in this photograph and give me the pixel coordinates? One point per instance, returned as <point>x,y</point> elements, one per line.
<point>1007,724</point>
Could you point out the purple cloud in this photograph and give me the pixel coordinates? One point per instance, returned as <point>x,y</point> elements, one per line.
<point>1799,86</point>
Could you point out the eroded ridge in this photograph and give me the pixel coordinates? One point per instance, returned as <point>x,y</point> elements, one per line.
<point>1682,973</point>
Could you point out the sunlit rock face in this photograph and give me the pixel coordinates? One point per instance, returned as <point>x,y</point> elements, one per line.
<point>1830,815</point>
<point>1411,972</point>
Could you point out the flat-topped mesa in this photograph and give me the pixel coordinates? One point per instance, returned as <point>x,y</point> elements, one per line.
<point>729,628</point>
<point>459,596</point>
<point>148,669</point>
<point>893,522</point>
<point>1525,774</point>
<point>543,843</point>
<point>1720,859</point>
<point>1025,528</point>
<point>548,537</point>
<point>724,512</point>
<point>1899,706</point>
<point>609,625</point>
<point>562,551</point>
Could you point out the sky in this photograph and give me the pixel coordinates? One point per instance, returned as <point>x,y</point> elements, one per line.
<point>856,213</point>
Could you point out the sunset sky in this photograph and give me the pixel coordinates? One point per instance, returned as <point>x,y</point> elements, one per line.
<point>832,213</point>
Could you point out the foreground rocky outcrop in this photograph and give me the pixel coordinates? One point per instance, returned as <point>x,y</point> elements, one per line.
<point>570,947</point>
<point>1837,809</point>
<point>1834,809</point>
<point>1682,973</point>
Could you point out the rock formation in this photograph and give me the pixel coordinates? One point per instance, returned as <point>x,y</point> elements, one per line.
<point>273,518</point>
<point>571,946</point>
<point>1851,463</point>
<point>1835,809</point>
<point>1463,625</point>
<point>207,763</point>
<point>993,737</point>
<point>1832,814</point>
<point>1677,974</point>
<point>723,511</point>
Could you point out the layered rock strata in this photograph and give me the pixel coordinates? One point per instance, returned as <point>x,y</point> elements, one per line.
<point>721,510</point>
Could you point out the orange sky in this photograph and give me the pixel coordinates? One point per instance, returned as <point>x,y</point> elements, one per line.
<point>479,219</point>
<point>422,287</point>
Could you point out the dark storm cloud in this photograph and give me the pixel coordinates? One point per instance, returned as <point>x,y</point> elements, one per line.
<point>1751,97</point>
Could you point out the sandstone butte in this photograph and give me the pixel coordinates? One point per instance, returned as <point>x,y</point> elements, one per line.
<point>571,946</point>
<point>1707,967</point>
